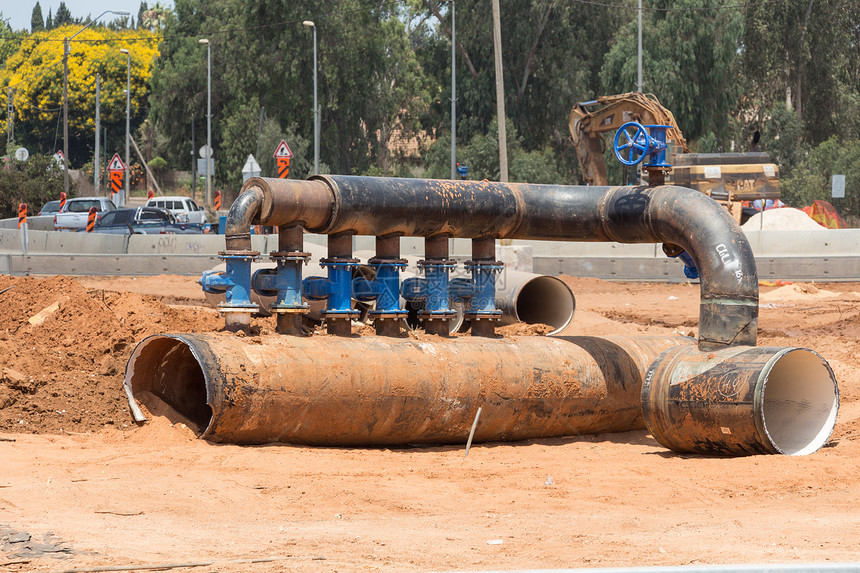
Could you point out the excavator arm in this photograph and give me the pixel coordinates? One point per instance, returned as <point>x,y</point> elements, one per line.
<point>591,119</point>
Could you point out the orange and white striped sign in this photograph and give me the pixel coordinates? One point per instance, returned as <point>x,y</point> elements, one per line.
<point>217,200</point>
<point>22,214</point>
<point>91,220</point>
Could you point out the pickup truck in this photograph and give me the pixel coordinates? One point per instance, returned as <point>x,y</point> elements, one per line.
<point>183,208</point>
<point>143,221</point>
<point>74,214</point>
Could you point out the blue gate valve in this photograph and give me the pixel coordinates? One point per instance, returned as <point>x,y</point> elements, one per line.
<point>284,283</point>
<point>674,251</point>
<point>336,290</point>
<point>483,302</point>
<point>235,282</point>
<point>385,290</point>
<point>634,141</point>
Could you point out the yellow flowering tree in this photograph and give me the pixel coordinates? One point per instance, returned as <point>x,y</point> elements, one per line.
<point>35,72</point>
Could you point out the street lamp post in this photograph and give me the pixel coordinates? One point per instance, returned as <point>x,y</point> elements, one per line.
<point>316,105</point>
<point>124,196</point>
<point>453,94</point>
<point>208,121</point>
<point>66,93</point>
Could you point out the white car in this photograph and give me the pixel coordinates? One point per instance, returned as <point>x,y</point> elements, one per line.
<point>183,208</point>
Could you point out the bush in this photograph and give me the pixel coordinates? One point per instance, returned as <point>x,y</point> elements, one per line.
<point>34,182</point>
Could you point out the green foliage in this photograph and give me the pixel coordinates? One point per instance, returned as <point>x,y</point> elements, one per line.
<point>63,16</point>
<point>34,182</point>
<point>37,22</point>
<point>689,61</point>
<point>781,137</point>
<point>36,71</point>
<point>481,155</point>
<point>812,179</point>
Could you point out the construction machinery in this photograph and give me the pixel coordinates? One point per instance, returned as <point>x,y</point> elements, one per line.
<point>729,178</point>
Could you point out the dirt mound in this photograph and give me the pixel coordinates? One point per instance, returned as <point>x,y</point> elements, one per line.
<point>797,291</point>
<point>63,351</point>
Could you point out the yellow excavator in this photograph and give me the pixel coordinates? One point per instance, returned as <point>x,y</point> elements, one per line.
<point>730,178</point>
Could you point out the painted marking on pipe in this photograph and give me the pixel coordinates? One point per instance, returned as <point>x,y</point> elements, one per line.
<point>725,430</point>
<point>729,302</point>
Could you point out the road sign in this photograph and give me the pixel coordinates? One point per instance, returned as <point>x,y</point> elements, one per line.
<point>116,163</point>
<point>116,168</point>
<point>250,169</point>
<point>60,159</point>
<point>283,167</point>
<point>201,167</point>
<point>283,150</point>
<point>837,187</point>
<point>21,154</point>
<point>203,151</point>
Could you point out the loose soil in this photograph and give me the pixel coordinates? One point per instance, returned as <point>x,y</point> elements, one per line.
<point>83,486</point>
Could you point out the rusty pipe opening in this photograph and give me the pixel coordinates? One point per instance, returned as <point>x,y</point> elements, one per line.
<point>536,299</point>
<point>168,371</point>
<point>799,402</point>
<point>741,401</point>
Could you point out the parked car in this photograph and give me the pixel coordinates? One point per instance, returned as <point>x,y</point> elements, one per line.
<point>183,208</point>
<point>50,208</point>
<point>144,221</point>
<point>75,212</point>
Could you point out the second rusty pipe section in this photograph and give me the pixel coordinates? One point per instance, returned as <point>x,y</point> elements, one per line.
<point>334,390</point>
<point>480,209</point>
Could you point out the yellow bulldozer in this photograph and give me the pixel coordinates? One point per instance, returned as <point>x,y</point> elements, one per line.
<point>729,178</point>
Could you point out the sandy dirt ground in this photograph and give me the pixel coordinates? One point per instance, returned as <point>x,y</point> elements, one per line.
<point>82,486</point>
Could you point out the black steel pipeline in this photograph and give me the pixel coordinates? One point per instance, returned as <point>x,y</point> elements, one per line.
<point>480,209</point>
<point>380,390</point>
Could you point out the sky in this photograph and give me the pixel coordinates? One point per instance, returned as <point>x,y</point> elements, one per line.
<point>18,12</point>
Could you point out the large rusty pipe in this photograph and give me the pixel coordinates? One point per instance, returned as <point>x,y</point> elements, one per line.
<point>741,401</point>
<point>379,390</point>
<point>479,209</point>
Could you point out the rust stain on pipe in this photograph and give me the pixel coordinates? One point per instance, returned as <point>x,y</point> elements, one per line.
<point>376,391</point>
<point>741,401</point>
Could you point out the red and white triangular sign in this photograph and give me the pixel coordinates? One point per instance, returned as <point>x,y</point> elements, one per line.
<point>59,155</point>
<point>116,163</point>
<point>283,150</point>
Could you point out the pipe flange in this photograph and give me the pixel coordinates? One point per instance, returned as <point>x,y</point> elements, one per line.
<point>431,315</point>
<point>289,256</point>
<point>487,315</point>
<point>278,309</point>
<point>340,314</point>
<point>238,254</point>
<point>377,262</point>
<point>494,266</point>
<point>437,264</point>
<point>339,262</point>
<point>226,307</point>
<point>387,314</point>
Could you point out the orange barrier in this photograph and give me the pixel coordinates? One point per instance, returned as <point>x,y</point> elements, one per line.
<point>91,220</point>
<point>217,200</point>
<point>22,214</point>
<point>62,199</point>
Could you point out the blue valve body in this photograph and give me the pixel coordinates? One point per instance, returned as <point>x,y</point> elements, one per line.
<point>235,281</point>
<point>336,290</point>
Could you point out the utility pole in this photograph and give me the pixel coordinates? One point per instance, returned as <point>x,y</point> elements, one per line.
<point>639,57</point>
<point>500,92</point>
<point>453,94</point>
<point>10,118</point>
<point>193,161</point>
<point>98,125</point>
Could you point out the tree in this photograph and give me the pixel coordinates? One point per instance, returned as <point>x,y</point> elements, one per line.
<point>34,182</point>
<point>689,63</point>
<point>812,180</point>
<point>49,21</point>
<point>804,53</point>
<point>36,71</point>
<point>63,16</point>
<point>37,22</point>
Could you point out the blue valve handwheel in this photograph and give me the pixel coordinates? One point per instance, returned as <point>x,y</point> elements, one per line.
<point>632,140</point>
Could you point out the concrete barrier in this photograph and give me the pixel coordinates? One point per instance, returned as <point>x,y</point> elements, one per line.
<point>823,255</point>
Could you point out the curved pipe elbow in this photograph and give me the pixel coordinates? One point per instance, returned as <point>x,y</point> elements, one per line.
<point>728,313</point>
<point>243,213</point>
